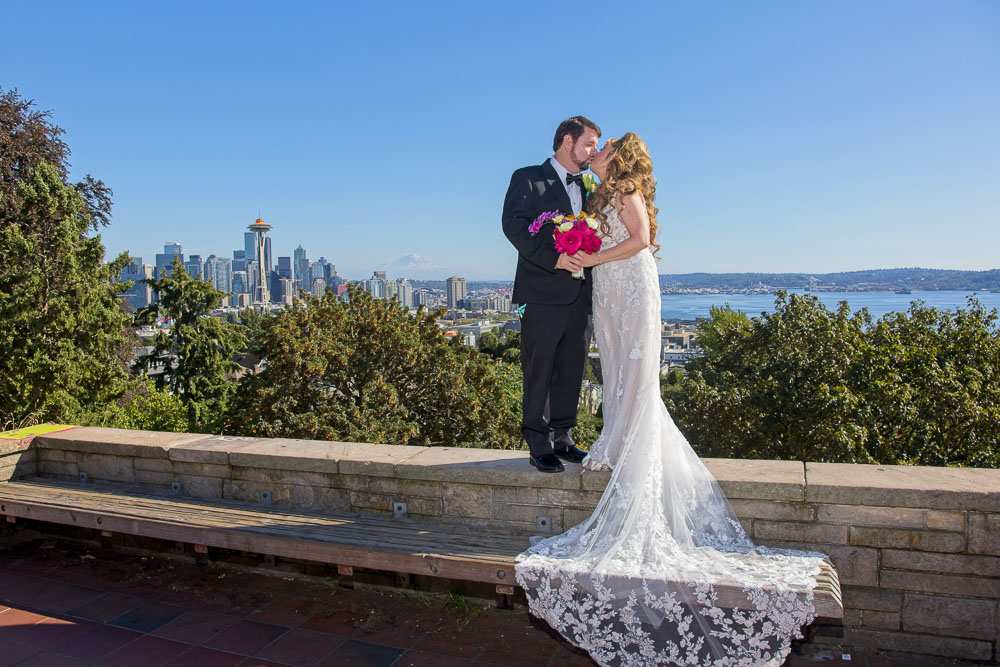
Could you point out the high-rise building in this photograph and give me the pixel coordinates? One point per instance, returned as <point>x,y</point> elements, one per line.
<point>249,246</point>
<point>318,269</point>
<point>219,271</point>
<point>302,274</point>
<point>380,275</point>
<point>285,267</point>
<point>391,289</point>
<point>260,288</point>
<point>239,260</point>
<point>318,286</point>
<point>456,291</point>
<point>139,294</point>
<point>164,260</point>
<point>287,291</point>
<point>268,260</point>
<point>405,293</point>
<point>330,273</point>
<point>241,283</point>
<point>194,266</point>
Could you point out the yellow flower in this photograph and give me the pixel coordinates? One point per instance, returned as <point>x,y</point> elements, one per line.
<point>588,182</point>
<point>566,226</point>
<point>593,224</point>
<point>558,219</point>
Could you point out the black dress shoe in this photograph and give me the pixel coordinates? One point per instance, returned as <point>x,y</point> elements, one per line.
<point>546,463</point>
<point>573,454</point>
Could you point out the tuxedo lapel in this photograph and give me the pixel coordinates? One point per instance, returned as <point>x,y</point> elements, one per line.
<point>558,189</point>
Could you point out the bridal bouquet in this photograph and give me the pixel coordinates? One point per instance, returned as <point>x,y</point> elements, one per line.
<point>572,233</point>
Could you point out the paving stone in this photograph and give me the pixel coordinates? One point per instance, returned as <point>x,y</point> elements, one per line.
<point>379,460</point>
<point>113,441</point>
<point>107,467</point>
<point>497,467</point>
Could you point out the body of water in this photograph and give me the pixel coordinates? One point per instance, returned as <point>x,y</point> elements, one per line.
<point>693,306</point>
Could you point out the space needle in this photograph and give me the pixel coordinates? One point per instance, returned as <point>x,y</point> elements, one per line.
<point>260,293</point>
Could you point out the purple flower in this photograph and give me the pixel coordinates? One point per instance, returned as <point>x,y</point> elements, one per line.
<point>535,226</point>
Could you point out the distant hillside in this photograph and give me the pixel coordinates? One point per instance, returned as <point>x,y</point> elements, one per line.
<point>875,279</point>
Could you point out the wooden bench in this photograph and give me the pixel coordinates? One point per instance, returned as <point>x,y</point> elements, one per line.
<point>438,549</point>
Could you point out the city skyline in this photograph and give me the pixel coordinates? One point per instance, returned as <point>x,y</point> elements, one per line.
<point>786,136</point>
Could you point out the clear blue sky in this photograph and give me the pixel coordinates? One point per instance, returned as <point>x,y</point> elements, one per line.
<point>786,136</point>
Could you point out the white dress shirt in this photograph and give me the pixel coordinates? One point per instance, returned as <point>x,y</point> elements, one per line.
<point>573,190</point>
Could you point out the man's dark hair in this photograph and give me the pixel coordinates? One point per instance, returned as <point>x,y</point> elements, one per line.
<point>574,127</point>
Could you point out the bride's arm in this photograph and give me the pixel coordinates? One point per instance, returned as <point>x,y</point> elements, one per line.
<point>633,215</point>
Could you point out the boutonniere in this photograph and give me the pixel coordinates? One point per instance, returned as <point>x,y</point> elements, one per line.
<point>588,183</point>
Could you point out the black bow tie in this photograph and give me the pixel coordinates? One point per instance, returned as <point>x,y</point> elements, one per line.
<point>575,178</point>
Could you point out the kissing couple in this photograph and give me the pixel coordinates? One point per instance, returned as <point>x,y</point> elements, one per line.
<point>635,583</point>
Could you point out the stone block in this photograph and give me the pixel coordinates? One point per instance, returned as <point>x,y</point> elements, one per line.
<point>238,489</point>
<point>882,620</point>
<point>514,494</point>
<point>801,533</point>
<point>114,441</point>
<point>909,642</point>
<point>354,482</point>
<point>107,467</point>
<point>594,480</point>
<point>197,486</point>
<point>586,500</point>
<point>404,487</point>
<point>318,456</point>
<point>856,566</point>
<point>379,460</point>
<point>775,511</point>
<point>925,561</point>
<point>852,618</point>
<point>153,465</point>
<point>984,533</point>
<point>945,584</point>
<point>56,455</point>
<point>528,515</point>
<point>948,616</point>
<point>59,469</point>
<point>944,520</point>
<point>211,449</point>
<point>759,480</point>
<point>496,467</point>
<point>424,507</point>
<point>858,515</point>
<point>871,598</point>
<point>270,476</point>
<point>896,538</point>
<point>317,498</point>
<point>371,501</point>
<point>154,478</point>
<point>202,469</point>
<point>573,517</point>
<point>904,486</point>
<point>469,500</point>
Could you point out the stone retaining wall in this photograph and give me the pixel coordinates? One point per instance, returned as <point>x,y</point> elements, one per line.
<point>917,549</point>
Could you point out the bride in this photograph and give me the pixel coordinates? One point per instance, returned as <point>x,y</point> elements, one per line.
<point>636,583</point>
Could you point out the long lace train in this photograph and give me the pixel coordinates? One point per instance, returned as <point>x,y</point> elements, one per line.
<point>649,577</point>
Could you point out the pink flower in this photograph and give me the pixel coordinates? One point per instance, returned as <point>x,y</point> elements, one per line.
<point>569,242</point>
<point>591,243</point>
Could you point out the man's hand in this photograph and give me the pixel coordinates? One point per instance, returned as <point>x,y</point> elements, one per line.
<point>569,263</point>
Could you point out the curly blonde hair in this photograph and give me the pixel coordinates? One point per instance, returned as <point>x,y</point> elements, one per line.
<point>629,170</point>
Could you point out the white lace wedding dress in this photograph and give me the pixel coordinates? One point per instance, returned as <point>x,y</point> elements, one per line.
<point>636,583</point>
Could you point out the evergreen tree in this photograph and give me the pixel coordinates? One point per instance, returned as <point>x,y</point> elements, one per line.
<point>62,325</point>
<point>366,371</point>
<point>194,358</point>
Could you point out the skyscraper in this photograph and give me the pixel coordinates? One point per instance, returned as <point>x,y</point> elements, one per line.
<point>302,274</point>
<point>259,229</point>
<point>405,293</point>
<point>164,260</point>
<point>219,271</point>
<point>285,267</point>
<point>139,294</point>
<point>456,291</point>
<point>194,266</point>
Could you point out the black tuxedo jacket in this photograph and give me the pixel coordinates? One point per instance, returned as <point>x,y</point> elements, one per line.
<point>533,191</point>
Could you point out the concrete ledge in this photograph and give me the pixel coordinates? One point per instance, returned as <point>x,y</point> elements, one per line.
<point>917,549</point>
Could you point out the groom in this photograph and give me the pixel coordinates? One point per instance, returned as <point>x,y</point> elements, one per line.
<point>556,323</point>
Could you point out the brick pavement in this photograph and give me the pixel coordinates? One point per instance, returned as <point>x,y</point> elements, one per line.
<point>66,604</point>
